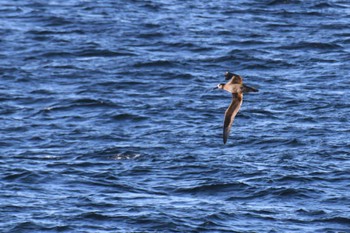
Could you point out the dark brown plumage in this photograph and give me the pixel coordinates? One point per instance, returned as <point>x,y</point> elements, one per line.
<point>237,88</point>
<point>231,112</point>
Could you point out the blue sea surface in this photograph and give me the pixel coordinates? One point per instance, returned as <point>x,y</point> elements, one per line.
<point>109,122</point>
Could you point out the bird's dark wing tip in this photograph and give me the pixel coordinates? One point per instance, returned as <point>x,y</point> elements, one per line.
<point>225,134</point>
<point>228,75</point>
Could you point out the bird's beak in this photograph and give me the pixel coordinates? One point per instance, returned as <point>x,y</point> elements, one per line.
<point>219,86</point>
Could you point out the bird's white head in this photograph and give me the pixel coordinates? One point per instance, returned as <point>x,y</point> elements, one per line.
<point>220,86</point>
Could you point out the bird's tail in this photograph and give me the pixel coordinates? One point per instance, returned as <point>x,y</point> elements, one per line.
<point>245,88</point>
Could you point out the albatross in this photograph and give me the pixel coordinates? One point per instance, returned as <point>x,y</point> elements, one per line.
<point>237,88</point>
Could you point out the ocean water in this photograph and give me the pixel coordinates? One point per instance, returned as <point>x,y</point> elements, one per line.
<point>109,122</point>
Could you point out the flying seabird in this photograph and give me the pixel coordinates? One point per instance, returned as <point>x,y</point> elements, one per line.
<point>237,88</point>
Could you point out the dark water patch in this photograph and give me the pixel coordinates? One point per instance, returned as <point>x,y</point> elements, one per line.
<point>8,110</point>
<point>323,5</point>
<point>43,92</point>
<point>104,53</point>
<point>54,21</point>
<point>155,7</point>
<point>99,216</point>
<point>293,178</point>
<point>312,46</point>
<point>214,223</point>
<point>339,220</point>
<point>76,104</point>
<point>156,63</point>
<point>17,128</point>
<point>53,54</point>
<point>312,212</point>
<point>93,102</point>
<point>335,27</point>
<point>213,189</point>
<point>29,226</point>
<point>291,192</point>
<point>284,2</point>
<point>5,144</point>
<point>126,116</point>
<point>151,25</point>
<point>52,32</point>
<point>20,175</point>
<point>196,47</point>
<point>150,35</point>
<point>283,192</point>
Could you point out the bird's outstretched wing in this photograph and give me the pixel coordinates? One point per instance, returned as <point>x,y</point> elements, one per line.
<point>234,78</point>
<point>229,75</point>
<point>231,112</point>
